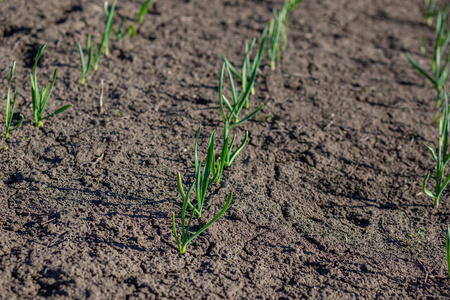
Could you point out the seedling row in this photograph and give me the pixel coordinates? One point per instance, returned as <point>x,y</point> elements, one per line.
<point>438,76</point>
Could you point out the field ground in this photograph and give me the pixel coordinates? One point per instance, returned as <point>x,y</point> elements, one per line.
<point>326,193</point>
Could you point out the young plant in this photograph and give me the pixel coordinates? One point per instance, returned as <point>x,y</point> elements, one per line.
<point>10,108</point>
<point>186,237</point>
<point>228,155</point>
<point>235,107</point>
<point>85,68</point>
<point>202,181</point>
<point>278,29</point>
<point>236,73</point>
<point>40,99</point>
<point>442,157</point>
<point>201,184</point>
<point>275,26</point>
<point>429,12</point>
<point>447,247</point>
<point>144,10</point>
<point>289,6</point>
<point>121,34</point>
<point>109,14</point>
<point>240,99</point>
<point>248,68</point>
<point>106,34</point>
<point>439,73</point>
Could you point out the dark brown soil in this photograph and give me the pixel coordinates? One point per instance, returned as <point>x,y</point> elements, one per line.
<point>326,193</point>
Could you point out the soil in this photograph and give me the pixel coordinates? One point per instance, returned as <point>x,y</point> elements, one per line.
<point>327,194</point>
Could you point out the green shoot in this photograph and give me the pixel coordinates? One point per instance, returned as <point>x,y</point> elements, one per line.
<point>202,181</point>
<point>183,195</point>
<point>447,247</point>
<point>144,10</point>
<point>109,13</point>
<point>274,38</point>
<point>442,157</point>
<point>201,184</point>
<point>429,12</point>
<point>85,68</point>
<point>186,238</point>
<point>278,29</point>
<point>9,108</point>
<point>202,175</point>
<point>234,108</point>
<point>120,34</point>
<point>240,99</point>
<point>228,155</point>
<point>439,73</point>
<point>40,99</point>
<point>238,75</point>
<point>289,6</point>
